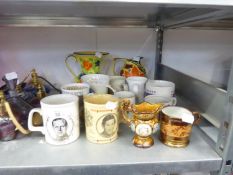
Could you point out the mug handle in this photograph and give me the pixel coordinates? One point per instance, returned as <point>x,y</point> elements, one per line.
<point>197,119</point>
<point>76,78</point>
<point>115,61</point>
<point>30,125</point>
<point>107,86</point>
<point>14,120</point>
<point>174,101</point>
<point>111,89</point>
<point>124,87</point>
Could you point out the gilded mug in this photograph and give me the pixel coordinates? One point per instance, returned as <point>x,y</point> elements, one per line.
<point>176,125</point>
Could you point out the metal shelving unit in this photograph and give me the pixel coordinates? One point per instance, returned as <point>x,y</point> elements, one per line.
<point>211,143</point>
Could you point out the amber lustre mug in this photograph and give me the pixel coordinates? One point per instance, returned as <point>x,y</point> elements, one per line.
<point>176,125</point>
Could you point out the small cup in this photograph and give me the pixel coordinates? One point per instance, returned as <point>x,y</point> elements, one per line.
<point>118,83</point>
<point>137,86</point>
<point>160,88</point>
<point>99,83</point>
<point>60,119</point>
<point>166,101</point>
<point>78,89</point>
<point>126,95</point>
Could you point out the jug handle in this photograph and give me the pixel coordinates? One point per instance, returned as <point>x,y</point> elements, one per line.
<point>126,107</point>
<point>14,120</point>
<point>197,119</point>
<point>115,61</point>
<point>76,78</point>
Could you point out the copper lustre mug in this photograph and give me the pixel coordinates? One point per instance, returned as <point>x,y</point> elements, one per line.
<point>176,125</point>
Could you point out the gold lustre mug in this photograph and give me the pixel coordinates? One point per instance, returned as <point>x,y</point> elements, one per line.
<point>176,125</point>
<point>101,118</point>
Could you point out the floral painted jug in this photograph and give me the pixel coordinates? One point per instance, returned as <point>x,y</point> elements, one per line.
<point>132,67</point>
<point>89,62</point>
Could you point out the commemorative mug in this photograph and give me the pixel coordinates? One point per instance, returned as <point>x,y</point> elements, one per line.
<point>60,119</point>
<point>160,88</point>
<point>99,83</point>
<point>118,83</point>
<point>101,118</point>
<point>137,86</point>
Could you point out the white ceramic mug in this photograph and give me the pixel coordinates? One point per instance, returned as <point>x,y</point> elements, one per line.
<point>99,83</point>
<point>126,95</point>
<point>101,118</point>
<point>160,88</point>
<point>167,101</point>
<point>78,89</point>
<point>60,119</point>
<point>137,86</point>
<point>118,83</point>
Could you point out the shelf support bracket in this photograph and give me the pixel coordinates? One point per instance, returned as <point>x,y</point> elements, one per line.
<point>159,49</point>
<point>224,144</point>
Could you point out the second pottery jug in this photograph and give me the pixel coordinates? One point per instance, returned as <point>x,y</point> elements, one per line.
<point>132,67</point>
<point>89,62</point>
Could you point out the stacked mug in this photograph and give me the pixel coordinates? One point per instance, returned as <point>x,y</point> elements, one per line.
<point>160,91</point>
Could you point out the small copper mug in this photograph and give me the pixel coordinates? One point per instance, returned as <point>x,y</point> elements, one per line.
<point>176,125</point>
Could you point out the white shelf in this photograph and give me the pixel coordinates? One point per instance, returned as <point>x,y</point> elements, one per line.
<point>31,155</point>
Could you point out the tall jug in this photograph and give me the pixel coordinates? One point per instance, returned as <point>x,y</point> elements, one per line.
<point>89,62</point>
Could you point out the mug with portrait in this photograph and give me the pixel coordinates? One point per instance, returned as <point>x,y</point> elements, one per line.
<point>60,115</point>
<point>101,118</point>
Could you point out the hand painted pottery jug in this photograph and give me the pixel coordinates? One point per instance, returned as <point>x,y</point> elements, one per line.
<point>132,67</point>
<point>89,62</point>
<point>144,121</point>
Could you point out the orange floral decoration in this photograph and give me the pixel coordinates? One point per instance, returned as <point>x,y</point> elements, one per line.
<point>87,65</point>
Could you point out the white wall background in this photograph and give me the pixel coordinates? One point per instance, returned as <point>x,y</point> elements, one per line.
<point>205,55</point>
<point>45,49</point>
